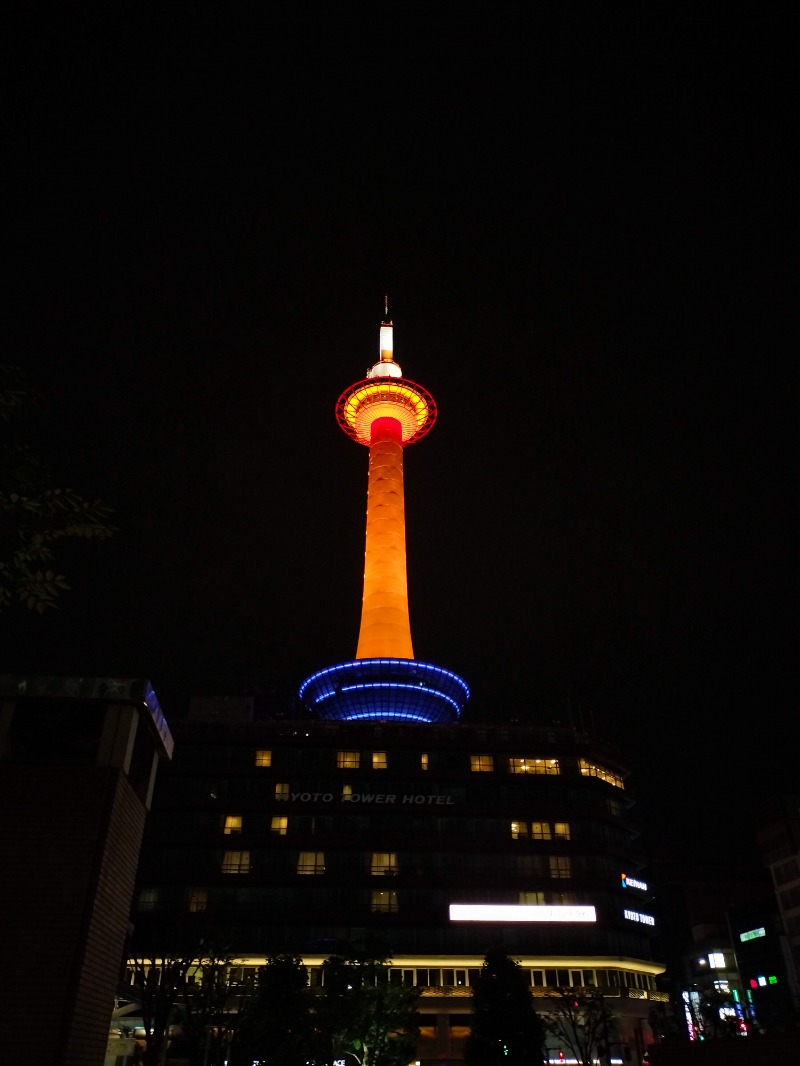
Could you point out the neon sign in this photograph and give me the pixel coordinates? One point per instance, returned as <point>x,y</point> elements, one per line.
<point>632,882</point>
<point>636,916</point>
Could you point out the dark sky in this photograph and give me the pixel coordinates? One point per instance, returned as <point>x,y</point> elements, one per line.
<point>587,226</point>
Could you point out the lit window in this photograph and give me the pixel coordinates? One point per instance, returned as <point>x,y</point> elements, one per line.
<point>532,898</point>
<point>560,866</point>
<point>281,791</point>
<point>311,862</point>
<point>236,862</point>
<point>148,898</point>
<point>233,824</point>
<point>540,830</point>
<point>263,757</point>
<point>481,763</point>
<point>589,769</point>
<point>348,760</point>
<point>379,761</point>
<point>347,792</point>
<point>519,830</point>
<point>423,761</point>
<point>562,830</point>
<point>279,825</point>
<point>198,900</point>
<point>383,862</point>
<point>384,902</point>
<point>716,960</point>
<point>533,766</point>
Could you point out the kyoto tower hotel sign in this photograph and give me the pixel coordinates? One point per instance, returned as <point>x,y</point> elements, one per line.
<point>386,412</point>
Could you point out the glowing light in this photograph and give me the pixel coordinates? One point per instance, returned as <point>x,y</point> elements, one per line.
<point>632,882</point>
<point>411,404</point>
<point>386,412</point>
<point>391,689</point>
<point>636,916</point>
<point>519,912</point>
<point>753,934</point>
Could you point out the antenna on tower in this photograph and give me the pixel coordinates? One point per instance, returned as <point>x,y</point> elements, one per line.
<point>386,305</point>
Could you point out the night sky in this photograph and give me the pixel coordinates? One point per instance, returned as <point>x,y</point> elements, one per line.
<point>586,223</point>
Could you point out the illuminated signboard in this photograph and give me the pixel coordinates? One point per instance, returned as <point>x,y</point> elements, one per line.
<point>635,916</point>
<point>632,882</point>
<point>753,934</point>
<point>519,912</point>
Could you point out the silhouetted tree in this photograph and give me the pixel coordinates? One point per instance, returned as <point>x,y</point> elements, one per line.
<point>276,1024</point>
<point>506,1030</point>
<point>581,1022</point>
<point>35,513</point>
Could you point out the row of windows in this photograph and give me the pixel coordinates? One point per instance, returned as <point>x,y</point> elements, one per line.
<point>379,760</point>
<point>455,977</point>
<point>385,862</point>
<point>233,824</point>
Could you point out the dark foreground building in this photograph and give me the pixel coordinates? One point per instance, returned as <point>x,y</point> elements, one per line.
<point>78,760</point>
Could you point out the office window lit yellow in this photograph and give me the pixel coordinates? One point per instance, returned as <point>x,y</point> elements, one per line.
<point>311,862</point>
<point>279,825</point>
<point>281,791</point>
<point>236,862</point>
<point>540,830</point>
<point>383,862</point>
<point>233,824</point>
<point>481,764</point>
<point>379,760</point>
<point>348,760</point>
<point>562,830</point>
<point>423,761</point>
<point>263,757</point>
<point>535,899</point>
<point>533,766</point>
<point>519,830</point>
<point>589,769</point>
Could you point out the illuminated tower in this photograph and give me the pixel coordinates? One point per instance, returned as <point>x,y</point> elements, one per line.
<point>386,412</point>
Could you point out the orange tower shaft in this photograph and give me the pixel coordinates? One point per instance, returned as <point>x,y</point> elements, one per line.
<point>385,628</point>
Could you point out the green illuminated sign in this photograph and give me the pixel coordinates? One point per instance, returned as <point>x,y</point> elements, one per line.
<point>753,934</point>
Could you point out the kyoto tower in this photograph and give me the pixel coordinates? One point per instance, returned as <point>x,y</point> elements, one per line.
<point>386,412</point>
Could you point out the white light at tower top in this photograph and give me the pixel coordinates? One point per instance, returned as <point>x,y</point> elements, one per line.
<point>386,367</point>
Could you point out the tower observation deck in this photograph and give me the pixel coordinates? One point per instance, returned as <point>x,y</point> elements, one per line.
<point>386,412</point>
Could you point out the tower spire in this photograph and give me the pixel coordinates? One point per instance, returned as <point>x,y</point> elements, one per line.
<point>386,412</point>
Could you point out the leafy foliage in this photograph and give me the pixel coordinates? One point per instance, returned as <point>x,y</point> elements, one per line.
<point>506,1030</point>
<point>34,513</point>
<point>363,1015</point>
